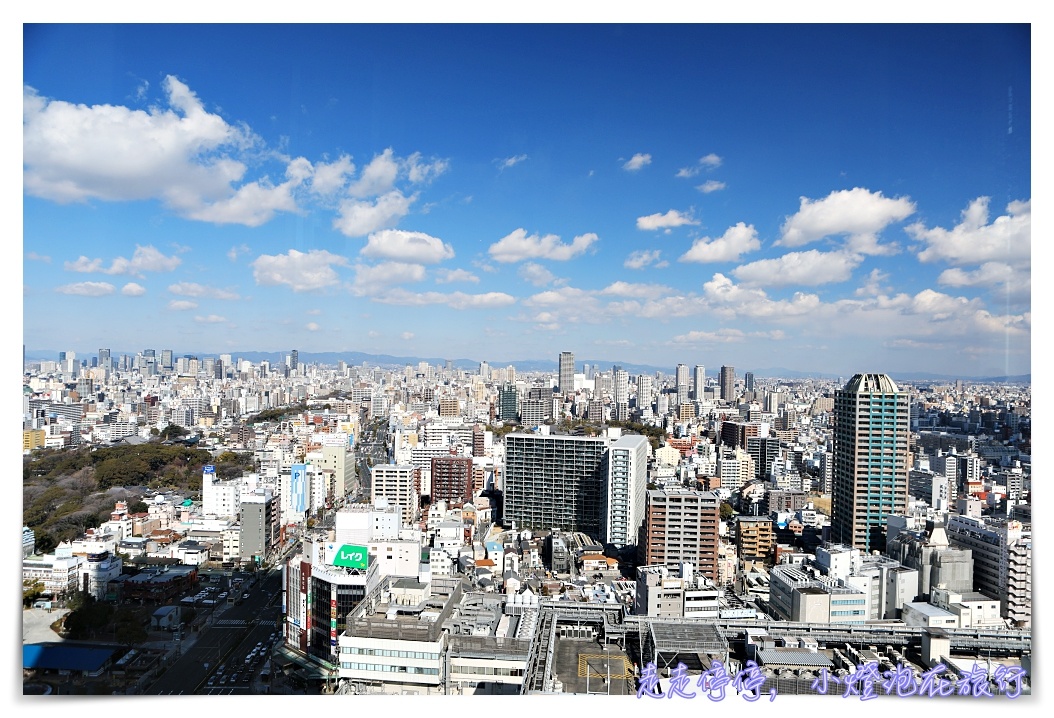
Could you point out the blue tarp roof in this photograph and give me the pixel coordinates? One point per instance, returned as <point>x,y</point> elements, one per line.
<point>70,658</point>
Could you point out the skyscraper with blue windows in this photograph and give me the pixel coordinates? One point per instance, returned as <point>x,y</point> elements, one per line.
<point>870,473</point>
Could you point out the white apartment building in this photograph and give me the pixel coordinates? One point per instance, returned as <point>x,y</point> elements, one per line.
<point>627,482</point>
<point>399,484</point>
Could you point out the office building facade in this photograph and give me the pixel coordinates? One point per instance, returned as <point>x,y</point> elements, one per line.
<point>728,383</point>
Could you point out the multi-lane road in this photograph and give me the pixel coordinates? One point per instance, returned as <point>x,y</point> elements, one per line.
<point>232,647</point>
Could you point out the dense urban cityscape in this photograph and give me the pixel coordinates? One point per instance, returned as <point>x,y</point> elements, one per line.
<point>445,530</point>
<point>663,360</point>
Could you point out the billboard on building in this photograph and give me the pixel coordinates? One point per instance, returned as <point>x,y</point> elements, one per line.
<point>348,555</point>
<point>209,469</point>
<point>298,487</point>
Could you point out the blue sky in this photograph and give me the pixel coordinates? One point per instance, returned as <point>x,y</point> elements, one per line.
<point>816,197</point>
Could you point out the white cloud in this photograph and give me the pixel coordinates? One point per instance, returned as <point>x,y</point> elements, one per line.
<point>447,276</point>
<point>302,272</point>
<point>989,274</point>
<point>376,279</point>
<point>644,257</point>
<point>133,290</point>
<point>378,177</point>
<point>631,289</point>
<point>403,246</point>
<point>857,213</point>
<point>358,218</point>
<point>673,218</point>
<point>973,241</point>
<point>234,252</point>
<point>179,154</point>
<point>181,305</point>
<point>329,178</point>
<point>710,186</point>
<point>33,256</point>
<point>509,161</point>
<point>83,265</point>
<point>145,259</point>
<point>809,269</point>
<point>721,336</point>
<point>710,161</point>
<point>536,274</point>
<point>197,164</point>
<point>407,335</point>
<point>729,300</point>
<point>254,203</point>
<point>567,305</point>
<point>729,247</point>
<point>637,161</point>
<point>87,289</point>
<point>419,172</point>
<point>873,285</point>
<point>454,300</point>
<point>518,246</point>
<point>210,319</point>
<point>311,327</point>
<point>191,289</point>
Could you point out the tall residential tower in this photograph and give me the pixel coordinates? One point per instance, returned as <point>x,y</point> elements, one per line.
<point>567,373</point>
<point>870,476</point>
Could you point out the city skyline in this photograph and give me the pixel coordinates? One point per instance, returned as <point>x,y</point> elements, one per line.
<point>658,194</point>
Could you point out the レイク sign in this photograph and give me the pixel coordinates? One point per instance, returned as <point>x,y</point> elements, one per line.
<point>350,556</point>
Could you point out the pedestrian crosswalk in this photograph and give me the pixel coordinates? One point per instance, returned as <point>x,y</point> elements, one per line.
<point>231,623</point>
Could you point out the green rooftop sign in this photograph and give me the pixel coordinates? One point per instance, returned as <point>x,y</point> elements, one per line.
<point>350,556</point>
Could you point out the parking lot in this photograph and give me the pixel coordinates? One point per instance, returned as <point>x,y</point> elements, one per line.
<point>585,666</point>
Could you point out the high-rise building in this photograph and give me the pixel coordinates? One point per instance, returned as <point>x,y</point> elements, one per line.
<point>1002,561</point>
<point>294,360</point>
<point>507,402</point>
<point>104,360</point>
<point>451,478</point>
<point>680,525</point>
<point>166,358</point>
<point>555,481</point>
<point>400,485</point>
<point>728,383</point>
<point>748,381</point>
<point>449,406</point>
<point>567,373</point>
<point>681,384</point>
<point>627,480</point>
<point>870,472</point>
<point>698,381</point>
<point>620,405</point>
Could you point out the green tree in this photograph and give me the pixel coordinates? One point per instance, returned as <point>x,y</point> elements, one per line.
<point>726,511</point>
<point>138,507</point>
<point>173,431</point>
<point>128,628</point>
<point>31,591</point>
<point>45,543</point>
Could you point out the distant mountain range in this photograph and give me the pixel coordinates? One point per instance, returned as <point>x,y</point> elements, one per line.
<point>544,365</point>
